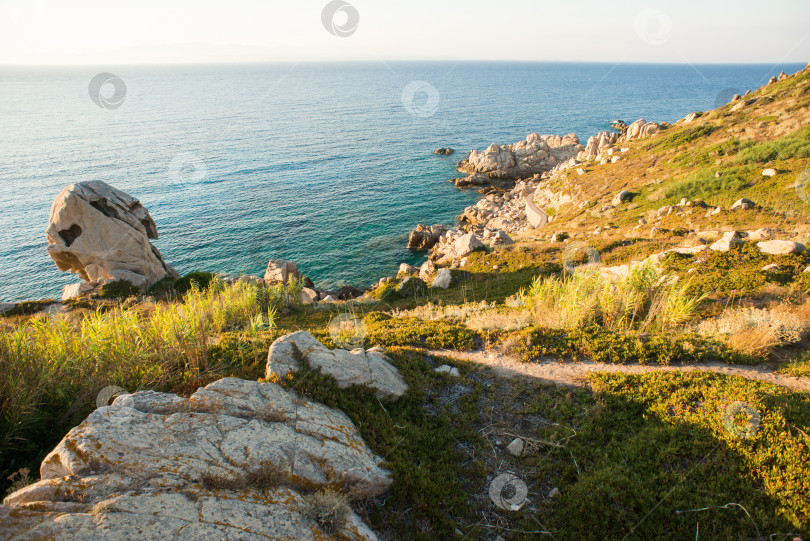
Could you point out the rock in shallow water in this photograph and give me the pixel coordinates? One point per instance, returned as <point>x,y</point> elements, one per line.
<point>158,466</point>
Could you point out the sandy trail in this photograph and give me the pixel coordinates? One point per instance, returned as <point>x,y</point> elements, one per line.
<point>573,373</point>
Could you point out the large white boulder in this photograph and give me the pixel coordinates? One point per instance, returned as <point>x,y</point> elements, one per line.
<point>358,367</point>
<point>158,466</point>
<point>102,234</point>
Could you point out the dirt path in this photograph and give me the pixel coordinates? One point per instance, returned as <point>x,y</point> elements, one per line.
<point>573,373</point>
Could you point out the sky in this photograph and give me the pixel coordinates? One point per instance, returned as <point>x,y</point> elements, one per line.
<point>205,31</point>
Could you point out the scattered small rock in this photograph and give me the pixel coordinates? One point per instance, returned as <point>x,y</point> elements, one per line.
<point>516,447</point>
<point>452,370</point>
<point>769,173</point>
<point>554,493</point>
<point>780,247</point>
<point>743,204</point>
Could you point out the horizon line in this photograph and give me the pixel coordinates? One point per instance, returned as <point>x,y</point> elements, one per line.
<point>385,61</point>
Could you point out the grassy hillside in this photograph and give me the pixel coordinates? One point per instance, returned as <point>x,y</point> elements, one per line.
<point>654,455</point>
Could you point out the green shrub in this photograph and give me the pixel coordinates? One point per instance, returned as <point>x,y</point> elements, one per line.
<point>383,330</point>
<point>796,145</point>
<point>704,185</point>
<point>605,346</point>
<point>120,289</point>
<point>201,279</point>
<point>26,308</point>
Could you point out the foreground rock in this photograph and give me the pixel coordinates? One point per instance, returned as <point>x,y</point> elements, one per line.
<point>102,234</point>
<point>358,367</point>
<point>233,461</point>
<point>524,159</point>
<point>444,151</point>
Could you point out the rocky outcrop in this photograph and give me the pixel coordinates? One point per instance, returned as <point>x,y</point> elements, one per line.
<point>233,461</point>
<point>641,129</point>
<point>280,271</point>
<point>102,234</point>
<point>424,237</point>
<point>598,145</point>
<point>358,367</point>
<point>444,151</point>
<point>524,159</point>
<point>471,180</point>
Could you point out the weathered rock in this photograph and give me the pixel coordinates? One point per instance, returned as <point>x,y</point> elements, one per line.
<point>443,279</point>
<point>280,271</point>
<point>444,151</point>
<point>516,447</point>
<point>771,267</point>
<point>523,159</point>
<point>769,173</point>
<point>73,291</point>
<point>641,129</point>
<point>471,180</point>
<point>309,296</point>
<point>727,242</point>
<point>452,370</point>
<point>500,238</point>
<point>158,466</point>
<point>743,204</point>
<point>405,269</point>
<point>780,247</point>
<point>102,234</point>
<point>466,244</point>
<point>346,293</point>
<point>621,197</point>
<point>412,286</point>
<point>427,270</point>
<point>690,117</point>
<point>370,367</point>
<point>424,237</point>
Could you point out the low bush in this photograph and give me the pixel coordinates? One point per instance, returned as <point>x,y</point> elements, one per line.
<point>384,330</point>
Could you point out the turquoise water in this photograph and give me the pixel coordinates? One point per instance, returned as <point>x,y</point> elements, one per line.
<point>325,165</point>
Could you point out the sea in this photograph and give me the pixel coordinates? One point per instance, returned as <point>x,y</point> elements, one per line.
<point>327,165</point>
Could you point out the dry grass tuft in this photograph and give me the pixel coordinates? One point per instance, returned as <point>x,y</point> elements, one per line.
<point>757,331</point>
<point>328,508</point>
